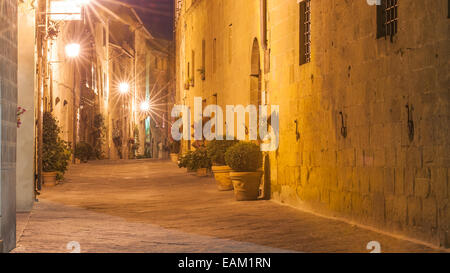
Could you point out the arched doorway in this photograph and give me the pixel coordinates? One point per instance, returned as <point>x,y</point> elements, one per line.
<point>255,75</point>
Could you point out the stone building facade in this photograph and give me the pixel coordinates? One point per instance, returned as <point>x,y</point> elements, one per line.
<point>8,120</point>
<point>78,91</point>
<point>363,101</point>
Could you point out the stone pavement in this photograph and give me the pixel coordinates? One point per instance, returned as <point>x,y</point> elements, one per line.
<point>152,206</point>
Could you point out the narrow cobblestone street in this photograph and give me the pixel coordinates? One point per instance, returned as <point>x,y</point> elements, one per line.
<point>152,206</point>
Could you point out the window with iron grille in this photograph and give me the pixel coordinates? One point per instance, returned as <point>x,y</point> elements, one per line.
<point>387,18</point>
<point>305,31</point>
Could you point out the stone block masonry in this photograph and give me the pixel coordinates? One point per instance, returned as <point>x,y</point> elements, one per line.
<point>381,177</point>
<point>8,120</point>
<point>377,174</point>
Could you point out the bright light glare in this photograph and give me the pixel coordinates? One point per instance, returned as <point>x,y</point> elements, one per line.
<point>124,87</point>
<point>145,106</point>
<point>72,50</point>
<point>83,2</point>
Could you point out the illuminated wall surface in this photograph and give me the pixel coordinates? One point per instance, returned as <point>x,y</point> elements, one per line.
<point>8,97</point>
<point>25,99</point>
<point>355,157</point>
<point>65,10</point>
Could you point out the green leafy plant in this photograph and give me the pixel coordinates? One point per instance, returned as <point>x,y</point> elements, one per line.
<point>194,160</point>
<point>244,157</point>
<point>216,150</point>
<point>200,159</point>
<point>84,152</point>
<point>99,135</point>
<point>55,151</point>
<point>186,161</point>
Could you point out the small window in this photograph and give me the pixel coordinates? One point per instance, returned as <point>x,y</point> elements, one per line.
<point>203,69</point>
<point>264,17</point>
<point>214,55</point>
<point>305,31</point>
<point>387,19</point>
<point>230,43</point>
<point>193,68</point>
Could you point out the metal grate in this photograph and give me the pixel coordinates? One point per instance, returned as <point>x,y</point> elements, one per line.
<point>390,17</point>
<point>305,31</point>
<point>387,18</point>
<point>308,30</point>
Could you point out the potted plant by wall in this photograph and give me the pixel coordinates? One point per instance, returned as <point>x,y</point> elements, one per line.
<point>84,152</point>
<point>186,161</point>
<point>216,152</point>
<point>245,159</point>
<point>201,162</point>
<point>174,151</point>
<point>55,151</point>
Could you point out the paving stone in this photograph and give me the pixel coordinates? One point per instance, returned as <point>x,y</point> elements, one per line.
<point>152,206</point>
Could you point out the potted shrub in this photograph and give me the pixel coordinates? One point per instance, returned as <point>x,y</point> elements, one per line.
<point>245,159</point>
<point>186,161</point>
<point>174,151</point>
<point>201,162</point>
<point>84,152</point>
<point>216,152</point>
<point>55,151</point>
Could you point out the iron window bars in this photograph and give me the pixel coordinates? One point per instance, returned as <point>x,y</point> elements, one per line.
<point>387,18</point>
<point>305,32</point>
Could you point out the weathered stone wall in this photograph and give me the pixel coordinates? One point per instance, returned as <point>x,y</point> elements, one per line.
<point>375,175</point>
<point>8,98</point>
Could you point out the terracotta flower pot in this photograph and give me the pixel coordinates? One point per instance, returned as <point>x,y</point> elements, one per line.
<point>174,158</point>
<point>246,185</point>
<point>49,179</point>
<point>202,172</point>
<point>222,176</point>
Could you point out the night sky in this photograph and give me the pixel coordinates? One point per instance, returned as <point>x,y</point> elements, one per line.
<point>157,15</point>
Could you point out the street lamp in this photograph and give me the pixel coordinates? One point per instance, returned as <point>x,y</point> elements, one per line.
<point>73,50</point>
<point>124,88</point>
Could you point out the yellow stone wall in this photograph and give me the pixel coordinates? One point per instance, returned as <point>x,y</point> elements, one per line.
<point>376,175</point>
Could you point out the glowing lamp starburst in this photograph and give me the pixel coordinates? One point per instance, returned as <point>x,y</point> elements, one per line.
<point>73,50</point>
<point>124,88</point>
<point>145,106</point>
